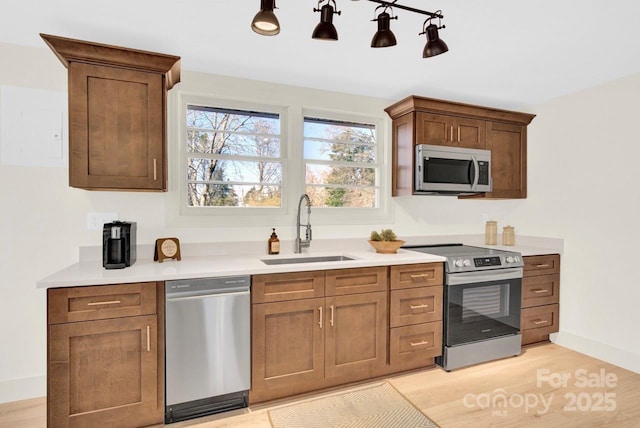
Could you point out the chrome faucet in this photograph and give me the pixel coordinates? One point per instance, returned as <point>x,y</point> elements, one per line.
<point>300,244</point>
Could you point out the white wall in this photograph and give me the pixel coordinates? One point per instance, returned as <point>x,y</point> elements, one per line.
<point>583,186</point>
<point>43,221</point>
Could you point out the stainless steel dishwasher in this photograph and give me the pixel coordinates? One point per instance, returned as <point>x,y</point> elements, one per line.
<point>207,346</point>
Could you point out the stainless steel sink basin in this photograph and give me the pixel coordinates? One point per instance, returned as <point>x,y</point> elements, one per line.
<point>295,260</point>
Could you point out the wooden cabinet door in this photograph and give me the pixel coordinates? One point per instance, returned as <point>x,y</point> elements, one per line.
<point>434,129</point>
<point>402,155</point>
<point>355,336</point>
<point>280,287</point>
<point>467,132</point>
<point>415,306</point>
<point>287,348</point>
<point>116,134</point>
<point>444,130</point>
<point>547,264</point>
<point>104,373</point>
<point>508,145</point>
<point>353,281</point>
<point>415,275</point>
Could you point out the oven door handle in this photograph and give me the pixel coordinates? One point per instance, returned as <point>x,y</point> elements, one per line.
<point>483,276</point>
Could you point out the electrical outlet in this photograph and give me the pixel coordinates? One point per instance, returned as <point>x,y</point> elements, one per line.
<point>96,221</point>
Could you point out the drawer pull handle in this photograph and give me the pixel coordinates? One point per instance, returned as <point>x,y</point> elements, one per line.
<point>538,322</point>
<point>109,302</point>
<point>419,275</point>
<point>148,339</point>
<point>540,290</point>
<point>544,265</point>
<point>320,322</point>
<point>422,342</point>
<point>419,306</point>
<point>155,169</point>
<point>331,319</point>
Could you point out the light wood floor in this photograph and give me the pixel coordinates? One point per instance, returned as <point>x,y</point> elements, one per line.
<point>505,393</point>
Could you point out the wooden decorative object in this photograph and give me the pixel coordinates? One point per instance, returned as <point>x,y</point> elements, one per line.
<point>387,247</point>
<point>167,248</point>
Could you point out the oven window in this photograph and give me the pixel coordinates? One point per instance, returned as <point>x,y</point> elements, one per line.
<point>491,301</point>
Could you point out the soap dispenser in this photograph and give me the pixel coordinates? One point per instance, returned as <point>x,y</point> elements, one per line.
<point>274,243</point>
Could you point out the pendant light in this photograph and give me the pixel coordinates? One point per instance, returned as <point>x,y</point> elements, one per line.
<point>384,37</point>
<point>265,22</point>
<point>325,29</point>
<point>435,46</point>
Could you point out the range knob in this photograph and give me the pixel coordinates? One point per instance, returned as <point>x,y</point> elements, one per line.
<point>466,262</point>
<point>458,263</point>
<point>510,259</point>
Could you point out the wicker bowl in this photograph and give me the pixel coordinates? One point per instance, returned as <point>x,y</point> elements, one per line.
<point>387,247</point>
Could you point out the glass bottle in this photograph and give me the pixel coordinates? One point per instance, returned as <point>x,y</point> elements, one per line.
<point>274,243</point>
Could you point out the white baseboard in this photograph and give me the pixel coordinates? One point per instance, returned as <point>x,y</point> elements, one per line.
<point>23,389</point>
<point>610,354</point>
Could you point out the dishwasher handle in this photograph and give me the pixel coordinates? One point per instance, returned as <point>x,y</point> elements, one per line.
<point>206,287</point>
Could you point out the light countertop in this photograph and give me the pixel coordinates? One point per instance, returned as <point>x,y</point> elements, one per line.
<point>228,259</point>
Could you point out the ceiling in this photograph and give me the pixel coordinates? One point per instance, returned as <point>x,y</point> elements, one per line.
<point>505,53</point>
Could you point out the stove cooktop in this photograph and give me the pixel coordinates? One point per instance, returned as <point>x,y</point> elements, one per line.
<point>467,258</point>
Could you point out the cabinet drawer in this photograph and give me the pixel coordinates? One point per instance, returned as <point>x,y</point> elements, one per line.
<point>340,282</point>
<point>413,345</point>
<point>101,302</point>
<point>415,306</point>
<point>541,265</point>
<point>540,290</point>
<point>281,287</point>
<point>417,275</point>
<point>537,323</point>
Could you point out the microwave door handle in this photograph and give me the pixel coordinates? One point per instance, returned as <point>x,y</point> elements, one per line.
<point>476,173</point>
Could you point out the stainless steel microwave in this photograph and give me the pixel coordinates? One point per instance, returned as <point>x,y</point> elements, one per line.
<point>451,170</point>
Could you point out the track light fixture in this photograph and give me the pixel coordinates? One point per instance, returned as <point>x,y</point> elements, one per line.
<point>266,24</point>
<point>325,30</point>
<point>384,37</point>
<point>265,21</point>
<point>434,45</point>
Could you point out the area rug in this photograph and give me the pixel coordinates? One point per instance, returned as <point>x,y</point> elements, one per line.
<point>378,406</point>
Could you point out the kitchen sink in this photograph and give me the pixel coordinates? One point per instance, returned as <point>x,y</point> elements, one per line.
<point>296,260</point>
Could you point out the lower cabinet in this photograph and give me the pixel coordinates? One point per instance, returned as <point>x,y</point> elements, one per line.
<point>415,315</point>
<point>307,344</point>
<point>313,330</point>
<point>105,370</point>
<point>540,298</point>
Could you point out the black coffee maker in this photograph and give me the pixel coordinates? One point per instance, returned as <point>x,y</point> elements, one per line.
<point>118,244</point>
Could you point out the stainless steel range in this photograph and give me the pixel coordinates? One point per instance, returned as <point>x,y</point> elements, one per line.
<point>482,290</point>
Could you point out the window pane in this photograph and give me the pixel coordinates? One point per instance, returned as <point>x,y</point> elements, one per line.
<point>233,158</point>
<point>333,151</point>
<point>228,195</point>
<point>202,169</point>
<point>331,197</point>
<point>230,143</point>
<point>329,174</point>
<point>341,166</point>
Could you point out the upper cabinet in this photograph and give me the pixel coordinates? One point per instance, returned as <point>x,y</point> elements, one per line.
<point>117,114</point>
<point>420,120</point>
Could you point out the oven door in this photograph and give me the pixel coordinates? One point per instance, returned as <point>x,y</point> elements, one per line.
<point>481,305</point>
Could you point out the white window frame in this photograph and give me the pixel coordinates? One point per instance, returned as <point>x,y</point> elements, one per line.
<point>343,215</point>
<point>178,214</point>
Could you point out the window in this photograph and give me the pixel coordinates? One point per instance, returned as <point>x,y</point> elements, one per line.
<point>233,158</point>
<point>341,164</point>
